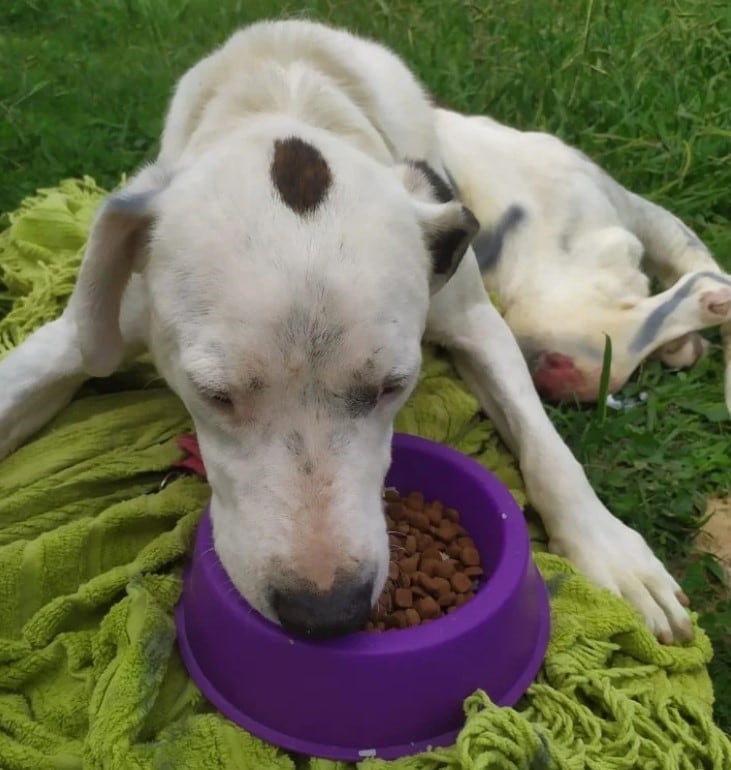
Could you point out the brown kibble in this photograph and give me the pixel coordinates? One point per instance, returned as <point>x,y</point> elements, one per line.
<point>435,565</point>
<point>454,550</point>
<point>427,583</point>
<point>427,607</point>
<point>395,541</point>
<point>415,501</point>
<point>431,553</point>
<point>445,569</point>
<point>429,566</point>
<point>434,512</point>
<point>461,583</point>
<point>447,530</point>
<point>391,621</point>
<point>447,600</point>
<point>464,598</point>
<point>419,521</point>
<point>395,511</point>
<point>470,557</point>
<point>403,598</point>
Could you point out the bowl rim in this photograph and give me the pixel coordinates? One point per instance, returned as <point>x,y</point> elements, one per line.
<point>508,573</point>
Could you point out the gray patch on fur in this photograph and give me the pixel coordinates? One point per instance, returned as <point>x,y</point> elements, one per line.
<point>488,244</point>
<point>653,323</point>
<point>309,330</point>
<point>295,443</point>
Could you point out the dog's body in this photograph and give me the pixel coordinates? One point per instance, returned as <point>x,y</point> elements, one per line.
<point>575,260</point>
<point>282,260</point>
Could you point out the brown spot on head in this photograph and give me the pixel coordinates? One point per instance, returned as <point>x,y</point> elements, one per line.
<point>300,174</point>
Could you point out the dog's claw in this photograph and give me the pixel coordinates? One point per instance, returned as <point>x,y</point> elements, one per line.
<point>616,557</point>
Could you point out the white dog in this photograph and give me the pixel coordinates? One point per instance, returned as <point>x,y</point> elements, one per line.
<point>569,256</point>
<point>282,260</point>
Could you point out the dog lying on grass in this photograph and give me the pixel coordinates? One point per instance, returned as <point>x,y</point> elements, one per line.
<point>570,255</point>
<point>306,224</point>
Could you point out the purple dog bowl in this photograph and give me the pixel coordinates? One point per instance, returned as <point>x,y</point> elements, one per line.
<point>368,694</point>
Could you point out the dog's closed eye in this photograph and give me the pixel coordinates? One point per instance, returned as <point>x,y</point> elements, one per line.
<point>392,387</point>
<point>219,398</point>
<point>360,400</point>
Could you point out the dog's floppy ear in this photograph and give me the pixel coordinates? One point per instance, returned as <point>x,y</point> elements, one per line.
<point>448,226</point>
<point>117,244</point>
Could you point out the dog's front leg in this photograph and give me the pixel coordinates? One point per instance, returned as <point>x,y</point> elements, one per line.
<point>578,525</point>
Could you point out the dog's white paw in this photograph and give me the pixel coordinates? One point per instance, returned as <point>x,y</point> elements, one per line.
<point>715,305</point>
<point>618,558</point>
<point>683,352</point>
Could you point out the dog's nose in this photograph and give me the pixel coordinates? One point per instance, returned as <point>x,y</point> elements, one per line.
<point>321,615</point>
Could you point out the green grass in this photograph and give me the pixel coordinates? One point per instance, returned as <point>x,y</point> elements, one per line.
<point>642,86</point>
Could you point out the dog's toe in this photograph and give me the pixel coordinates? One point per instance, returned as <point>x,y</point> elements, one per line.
<point>617,558</point>
<point>716,304</point>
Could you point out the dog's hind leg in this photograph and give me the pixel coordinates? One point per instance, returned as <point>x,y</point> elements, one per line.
<point>672,250</point>
<point>41,375</point>
<point>37,379</point>
<point>698,300</point>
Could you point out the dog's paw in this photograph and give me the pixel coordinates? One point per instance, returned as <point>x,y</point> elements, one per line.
<point>716,305</point>
<point>617,558</point>
<point>683,352</point>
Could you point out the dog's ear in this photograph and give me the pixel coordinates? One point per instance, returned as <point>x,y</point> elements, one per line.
<point>117,245</point>
<point>448,226</point>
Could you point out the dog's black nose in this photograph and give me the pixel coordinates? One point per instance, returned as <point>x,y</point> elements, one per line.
<point>342,610</point>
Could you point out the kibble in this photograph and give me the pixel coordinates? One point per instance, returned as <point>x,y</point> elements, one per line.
<point>435,566</point>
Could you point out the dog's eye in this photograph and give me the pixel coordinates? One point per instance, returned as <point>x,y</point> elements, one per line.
<point>391,387</point>
<point>219,398</point>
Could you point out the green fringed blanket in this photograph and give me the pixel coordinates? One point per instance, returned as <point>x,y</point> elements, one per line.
<point>91,551</point>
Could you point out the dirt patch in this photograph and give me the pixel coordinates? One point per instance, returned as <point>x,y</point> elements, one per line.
<point>715,535</point>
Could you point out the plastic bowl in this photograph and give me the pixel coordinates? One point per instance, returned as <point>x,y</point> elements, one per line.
<point>369,694</point>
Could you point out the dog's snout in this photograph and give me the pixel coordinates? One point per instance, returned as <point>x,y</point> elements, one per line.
<point>324,614</point>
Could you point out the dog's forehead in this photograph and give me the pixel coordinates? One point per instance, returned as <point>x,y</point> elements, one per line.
<point>283,216</point>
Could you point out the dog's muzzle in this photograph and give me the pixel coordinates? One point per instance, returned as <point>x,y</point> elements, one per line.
<point>343,609</point>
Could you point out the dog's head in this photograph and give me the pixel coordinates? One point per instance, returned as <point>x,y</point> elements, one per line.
<point>288,278</point>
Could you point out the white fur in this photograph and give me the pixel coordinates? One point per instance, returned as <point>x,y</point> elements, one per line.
<point>578,267</point>
<point>233,287</point>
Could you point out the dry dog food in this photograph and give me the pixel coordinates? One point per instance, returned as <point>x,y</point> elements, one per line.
<point>435,566</point>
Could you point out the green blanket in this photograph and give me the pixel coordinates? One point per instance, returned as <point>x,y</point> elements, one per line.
<point>91,552</point>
